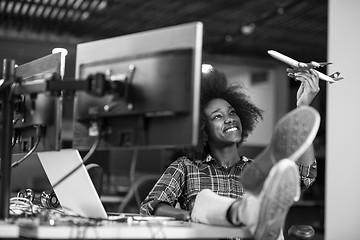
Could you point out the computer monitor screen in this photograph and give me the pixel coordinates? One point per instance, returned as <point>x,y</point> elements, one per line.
<point>160,104</point>
<point>37,116</point>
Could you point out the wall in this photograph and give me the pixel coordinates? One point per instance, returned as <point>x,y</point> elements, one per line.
<point>342,215</point>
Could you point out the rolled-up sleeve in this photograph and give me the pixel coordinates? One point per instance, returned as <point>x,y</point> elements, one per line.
<point>167,189</point>
<point>308,174</point>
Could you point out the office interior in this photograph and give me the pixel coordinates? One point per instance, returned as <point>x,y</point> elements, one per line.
<point>304,30</point>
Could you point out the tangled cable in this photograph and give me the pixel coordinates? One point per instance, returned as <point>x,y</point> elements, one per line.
<point>20,206</point>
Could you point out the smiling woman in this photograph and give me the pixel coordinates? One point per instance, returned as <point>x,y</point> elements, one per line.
<point>227,117</point>
<point>213,173</point>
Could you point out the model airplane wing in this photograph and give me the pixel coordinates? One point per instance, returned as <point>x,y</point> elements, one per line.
<point>300,66</point>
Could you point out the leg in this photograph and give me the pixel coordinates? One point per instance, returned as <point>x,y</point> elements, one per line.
<point>263,215</point>
<point>293,135</point>
<point>280,190</point>
<point>210,208</point>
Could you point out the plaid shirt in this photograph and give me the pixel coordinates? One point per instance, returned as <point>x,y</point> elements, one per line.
<point>184,179</point>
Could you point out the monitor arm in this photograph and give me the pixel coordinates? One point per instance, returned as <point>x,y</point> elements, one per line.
<point>97,84</point>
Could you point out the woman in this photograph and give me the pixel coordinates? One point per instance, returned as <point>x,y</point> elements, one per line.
<point>227,118</point>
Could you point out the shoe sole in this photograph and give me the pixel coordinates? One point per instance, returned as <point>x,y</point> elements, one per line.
<point>293,135</point>
<point>280,189</point>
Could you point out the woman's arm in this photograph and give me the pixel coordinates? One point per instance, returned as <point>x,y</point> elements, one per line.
<point>166,191</point>
<point>169,211</point>
<point>307,91</point>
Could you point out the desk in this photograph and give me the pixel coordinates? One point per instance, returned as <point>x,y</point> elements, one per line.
<point>8,230</point>
<point>138,231</point>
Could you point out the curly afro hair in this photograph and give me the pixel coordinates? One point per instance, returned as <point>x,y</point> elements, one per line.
<point>215,85</point>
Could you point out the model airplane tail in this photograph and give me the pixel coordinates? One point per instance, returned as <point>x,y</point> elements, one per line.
<point>336,77</point>
<point>306,66</point>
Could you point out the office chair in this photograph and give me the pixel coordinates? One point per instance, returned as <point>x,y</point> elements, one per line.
<point>137,192</point>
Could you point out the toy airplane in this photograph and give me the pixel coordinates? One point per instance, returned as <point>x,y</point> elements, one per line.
<point>299,66</point>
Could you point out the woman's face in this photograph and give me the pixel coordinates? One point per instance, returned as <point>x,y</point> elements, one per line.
<point>223,125</point>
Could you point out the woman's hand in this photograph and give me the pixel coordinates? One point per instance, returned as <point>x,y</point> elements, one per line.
<point>309,86</point>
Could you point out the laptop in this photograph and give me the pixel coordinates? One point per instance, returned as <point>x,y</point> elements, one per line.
<point>76,193</point>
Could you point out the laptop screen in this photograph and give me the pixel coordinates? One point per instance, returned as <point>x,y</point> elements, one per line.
<point>76,193</point>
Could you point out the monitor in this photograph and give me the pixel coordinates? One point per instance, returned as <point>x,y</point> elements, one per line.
<point>158,105</point>
<point>37,115</point>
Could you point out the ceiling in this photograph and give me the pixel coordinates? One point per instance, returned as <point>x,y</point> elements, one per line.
<point>244,28</point>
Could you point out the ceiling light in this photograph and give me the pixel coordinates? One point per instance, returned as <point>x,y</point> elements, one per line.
<point>248,29</point>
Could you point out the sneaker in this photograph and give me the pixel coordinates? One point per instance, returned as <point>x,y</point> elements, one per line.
<point>280,189</point>
<point>293,135</point>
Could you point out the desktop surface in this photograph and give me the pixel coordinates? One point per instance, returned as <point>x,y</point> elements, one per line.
<point>168,230</point>
<point>53,224</point>
<point>9,230</point>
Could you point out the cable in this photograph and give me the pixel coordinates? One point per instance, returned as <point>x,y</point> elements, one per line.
<point>132,177</point>
<point>85,159</point>
<point>11,92</point>
<point>92,149</point>
<point>38,133</point>
<point>20,205</point>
